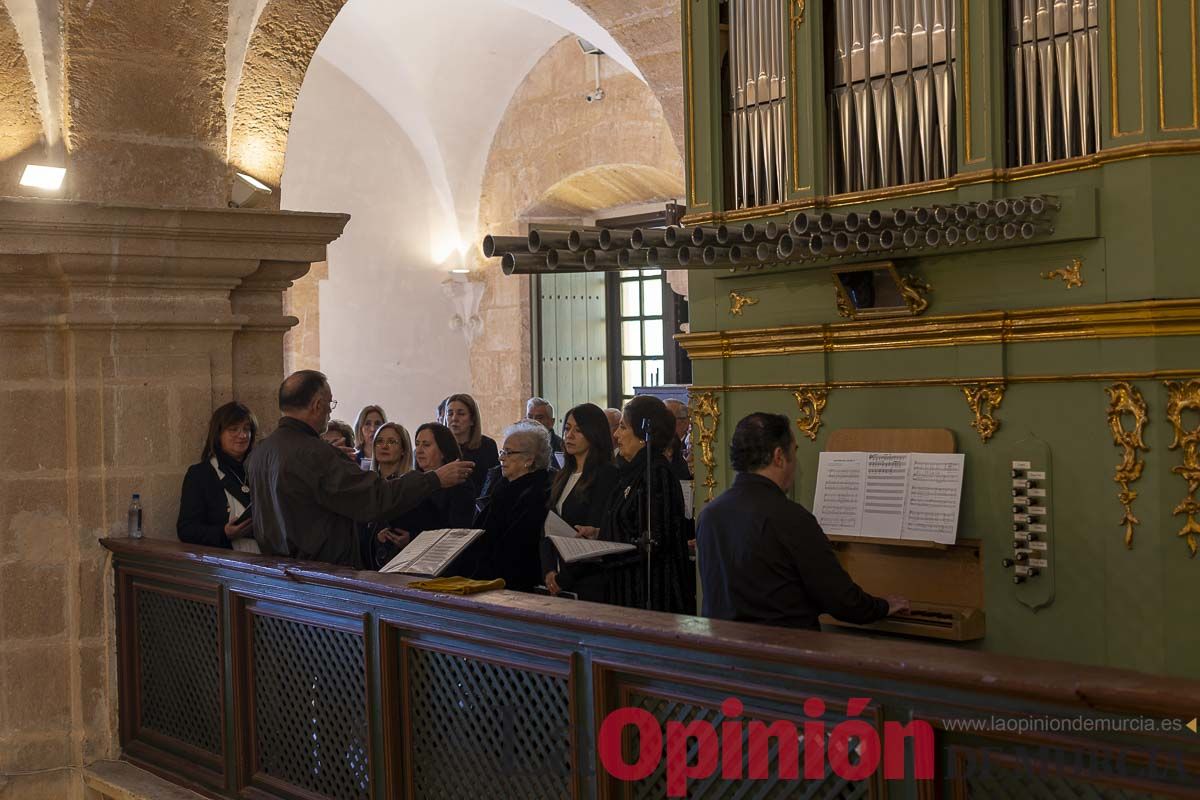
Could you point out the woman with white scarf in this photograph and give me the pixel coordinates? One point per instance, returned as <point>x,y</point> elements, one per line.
<point>215,493</point>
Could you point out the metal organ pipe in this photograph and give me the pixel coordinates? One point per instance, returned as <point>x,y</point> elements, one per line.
<point>758,59</point>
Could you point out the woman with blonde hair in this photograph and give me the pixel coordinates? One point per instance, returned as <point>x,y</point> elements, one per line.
<point>462,418</point>
<point>368,422</point>
<point>393,451</point>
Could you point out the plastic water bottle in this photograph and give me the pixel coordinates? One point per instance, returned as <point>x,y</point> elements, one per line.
<point>135,517</point>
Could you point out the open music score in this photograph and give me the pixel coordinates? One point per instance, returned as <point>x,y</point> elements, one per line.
<point>895,496</point>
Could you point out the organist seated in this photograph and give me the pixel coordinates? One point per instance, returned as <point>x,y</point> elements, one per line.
<point>513,519</point>
<point>764,558</point>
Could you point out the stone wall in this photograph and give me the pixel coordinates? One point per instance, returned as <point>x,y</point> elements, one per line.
<point>556,155</point>
<point>112,366</point>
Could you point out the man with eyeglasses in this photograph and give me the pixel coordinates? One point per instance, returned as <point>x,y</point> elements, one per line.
<point>307,496</point>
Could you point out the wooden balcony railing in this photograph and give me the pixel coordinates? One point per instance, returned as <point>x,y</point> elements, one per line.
<point>246,676</point>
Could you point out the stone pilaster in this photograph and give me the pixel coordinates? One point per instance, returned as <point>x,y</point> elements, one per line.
<point>121,329</point>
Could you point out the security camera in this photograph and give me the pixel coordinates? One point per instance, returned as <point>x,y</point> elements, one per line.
<point>594,96</point>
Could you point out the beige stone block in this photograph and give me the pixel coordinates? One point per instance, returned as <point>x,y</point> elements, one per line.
<point>32,430</point>
<point>97,695</point>
<point>26,753</point>
<point>137,430</point>
<point>95,595</point>
<point>36,695</point>
<point>26,355</point>
<point>108,170</point>
<point>62,785</point>
<point>33,600</point>
<point>33,519</point>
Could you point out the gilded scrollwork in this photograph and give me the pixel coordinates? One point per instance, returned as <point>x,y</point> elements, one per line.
<point>1185,396</point>
<point>844,307</point>
<point>914,292</point>
<point>983,400</point>
<point>705,412</point>
<point>738,302</point>
<point>1125,399</point>
<point>798,14</point>
<point>811,401</point>
<point>1071,274</point>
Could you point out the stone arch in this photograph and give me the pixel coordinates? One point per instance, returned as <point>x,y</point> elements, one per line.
<point>22,137</point>
<point>288,32</point>
<point>555,155</point>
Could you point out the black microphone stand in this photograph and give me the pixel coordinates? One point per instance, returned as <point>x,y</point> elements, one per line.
<point>648,536</point>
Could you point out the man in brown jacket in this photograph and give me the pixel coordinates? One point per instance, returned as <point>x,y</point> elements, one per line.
<point>308,495</point>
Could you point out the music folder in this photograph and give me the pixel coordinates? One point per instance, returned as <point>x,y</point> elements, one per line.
<point>579,549</point>
<point>431,552</point>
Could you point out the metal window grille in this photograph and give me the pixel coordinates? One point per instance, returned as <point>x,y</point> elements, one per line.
<point>758,37</point>
<point>892,102</point>
<point>1054,81</point>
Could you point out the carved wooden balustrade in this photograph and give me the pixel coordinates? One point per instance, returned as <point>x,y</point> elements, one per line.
<point>246,676</point>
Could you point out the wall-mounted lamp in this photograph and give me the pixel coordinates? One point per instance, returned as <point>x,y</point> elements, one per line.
<point>248,191</point>
<point>37,176</point>
<point>465,294</point>
<point>597,94</point>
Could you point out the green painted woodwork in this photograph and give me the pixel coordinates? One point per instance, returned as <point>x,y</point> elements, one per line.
<point>1133,224</point>
<point>574,352</point>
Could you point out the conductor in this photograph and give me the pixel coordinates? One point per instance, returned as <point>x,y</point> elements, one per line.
<point>764,558</point>
<point>308,494</point>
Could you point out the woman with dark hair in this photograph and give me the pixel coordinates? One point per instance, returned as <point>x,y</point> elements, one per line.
<point>580,495</point>
<point>215,492</point>
<point>368,422</point>
<point>446,508</point>
<point>659,495</point>
<point>462,418</point>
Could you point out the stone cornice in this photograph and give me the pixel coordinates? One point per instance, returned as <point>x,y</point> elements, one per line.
<point>41,226</point>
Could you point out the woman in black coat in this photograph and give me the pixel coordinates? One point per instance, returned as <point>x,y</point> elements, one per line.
<point>512,522</point>
<point>215,493</point>
<point>580,495</point>
<point>434,447</point>
<point>626,518</point>
<point>462,418</point>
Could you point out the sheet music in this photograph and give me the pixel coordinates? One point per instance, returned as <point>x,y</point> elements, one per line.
<point>890,495</point>
<point>688,498</point>
<point>557,526</point>
<point>934,497</point>
<point>574,549</point>
<point>838,503</point>
<point>432,551</point>
<point>884,494</point>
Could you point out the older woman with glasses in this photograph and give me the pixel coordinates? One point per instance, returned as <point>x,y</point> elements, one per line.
<point>215,491</point>
<point>512,522</point>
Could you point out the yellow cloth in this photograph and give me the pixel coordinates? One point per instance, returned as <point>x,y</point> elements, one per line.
<point>458,585</point>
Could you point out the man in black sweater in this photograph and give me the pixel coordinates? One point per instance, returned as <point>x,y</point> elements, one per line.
<point>764,558</point>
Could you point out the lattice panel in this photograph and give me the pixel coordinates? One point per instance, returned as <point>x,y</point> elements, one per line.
<point>310,706</point>
<point>484,730</point>
<point>715,787</point>
<point>1028,784</point>
<point>179,652</point>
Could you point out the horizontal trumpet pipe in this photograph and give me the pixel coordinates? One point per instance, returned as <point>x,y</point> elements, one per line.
<point>513,263</point>
<point>829,220</point>
<point>498,245</point>
<point>711,254</point>
<point>558,257</point>
<point>647,237</point>
<point>614,239</point>
<point>540,240</point>
<point>804,223</point>
<point>785,246</point>
<point>702,236</point>
<point>583,240</point>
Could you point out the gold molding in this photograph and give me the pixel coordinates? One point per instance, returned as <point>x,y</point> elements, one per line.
<point>983,399</point>
<point>1070,274</point>
<point>1185,396</point>
<point>1167,147</point>
<point>913,290</point>
<point>737,302</point>
<point>845,307</point>
<point>690,101</point>
<point>1100,321</point>
<point>811,401</point>
<point>1117,133</point>
<point>1162,111</point>
<point>798,13</point>
<point>911,383</point>
<point>965,53</point>
<point>1125,398</point>
<point>705,411</point>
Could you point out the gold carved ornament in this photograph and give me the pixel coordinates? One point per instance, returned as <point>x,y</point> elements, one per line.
<point>1124,398</point>
<point>812,402</point>
<point>706,415</point>
<point>798,14</point>
<point>1070,275</point>
<point>983,399</point>
<point>844,307</point>
<point>913,290</point>
<point>1183,397</point>
<point>737,302</point>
